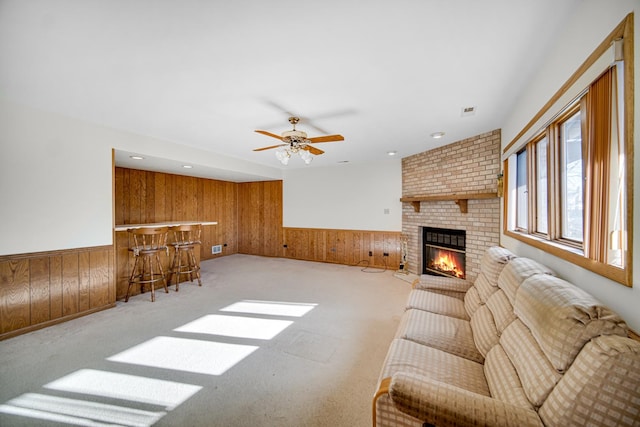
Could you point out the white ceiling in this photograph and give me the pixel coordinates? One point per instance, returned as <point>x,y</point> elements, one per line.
<point>206,74</point>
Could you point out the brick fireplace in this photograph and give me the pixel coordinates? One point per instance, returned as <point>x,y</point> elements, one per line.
<point>465,167</point>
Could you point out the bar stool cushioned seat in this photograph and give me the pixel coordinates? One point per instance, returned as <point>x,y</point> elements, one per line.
<point>184,261</point>
<point>148,243</point>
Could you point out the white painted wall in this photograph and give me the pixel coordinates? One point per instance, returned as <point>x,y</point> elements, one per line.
<point>345,196</point>
<point>56,178</point>
<point>590,23</point>
<point>55,184</point>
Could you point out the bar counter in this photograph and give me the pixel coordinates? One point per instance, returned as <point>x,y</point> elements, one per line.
<point>127,227</point>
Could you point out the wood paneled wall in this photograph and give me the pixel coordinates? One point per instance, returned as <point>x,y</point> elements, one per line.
<point>143,197</point>
<point>260,218</point>
<point>41,289</point>
<point>146,197</point>
<point>350,247</point>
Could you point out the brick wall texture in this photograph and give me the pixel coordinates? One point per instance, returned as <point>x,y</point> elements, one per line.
<point>467,166</point>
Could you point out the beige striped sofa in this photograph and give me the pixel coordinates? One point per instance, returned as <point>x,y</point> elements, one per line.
<point>518,347</point>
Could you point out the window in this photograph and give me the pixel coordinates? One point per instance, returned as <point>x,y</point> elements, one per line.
<point>542,186</point>
<point>522,192</point>
<point>571,179</point>
<point>566,183</point>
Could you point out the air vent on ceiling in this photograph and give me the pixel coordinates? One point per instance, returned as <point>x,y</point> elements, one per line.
<point>468,111</point>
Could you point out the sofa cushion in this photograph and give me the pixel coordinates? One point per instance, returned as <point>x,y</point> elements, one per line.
<point>517,271</point>
<point>503,379</point>
<point>472,301</point>
<point>601,384</point>
<point>437,303</point>
<point>501,309</point>
<point>537,375</point>
<point>493,261</point>
<point>484,287</point>
<point>442,283</point>
<point>485,334</point>
<point>413,358</point>
<point>442,332</point>
<point>563,317</point>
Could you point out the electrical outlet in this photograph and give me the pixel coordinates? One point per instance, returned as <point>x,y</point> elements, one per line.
<point>385,254</point>
<point>370,253</point>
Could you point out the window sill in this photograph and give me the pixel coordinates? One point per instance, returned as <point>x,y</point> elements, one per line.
<point>574,256</point>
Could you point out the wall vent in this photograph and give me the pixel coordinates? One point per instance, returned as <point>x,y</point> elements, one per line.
<point>217,249</point>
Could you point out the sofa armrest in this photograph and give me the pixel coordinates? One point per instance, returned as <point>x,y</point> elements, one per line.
<point>441,283</point>
<point>436,403</point>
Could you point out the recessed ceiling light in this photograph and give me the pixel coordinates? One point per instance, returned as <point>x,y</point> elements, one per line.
<point>392,153</point>
<point>437,135</point>
<point>187,166</point>
<point>137,157</point>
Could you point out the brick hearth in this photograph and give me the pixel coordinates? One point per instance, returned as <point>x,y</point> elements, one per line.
<point>467,166</point>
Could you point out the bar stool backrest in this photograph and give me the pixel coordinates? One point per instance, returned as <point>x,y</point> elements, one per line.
<point>148,239</point>
<point>185,235</point>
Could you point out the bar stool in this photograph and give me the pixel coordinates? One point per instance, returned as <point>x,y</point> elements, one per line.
<point>185,238</point>
<point>148,242</point>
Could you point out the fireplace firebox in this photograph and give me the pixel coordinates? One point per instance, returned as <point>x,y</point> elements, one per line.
<point>443,252</point>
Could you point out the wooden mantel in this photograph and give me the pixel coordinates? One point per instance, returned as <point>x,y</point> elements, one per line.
<point>460,199</point>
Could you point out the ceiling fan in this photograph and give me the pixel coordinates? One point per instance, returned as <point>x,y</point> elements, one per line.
<point>296,141</point>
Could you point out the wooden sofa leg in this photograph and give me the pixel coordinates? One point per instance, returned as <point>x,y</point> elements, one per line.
<point>383,389</point>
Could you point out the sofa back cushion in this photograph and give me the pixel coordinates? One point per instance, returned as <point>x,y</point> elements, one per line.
<point>503,380</point>
<point>600,388</point>
<point>485,334</point>
<point>563,317</point>
<point>472,301</point>
<point>537,375</point>
<point>493,261</point>
<point>517,271</point>
<point>501,309</point>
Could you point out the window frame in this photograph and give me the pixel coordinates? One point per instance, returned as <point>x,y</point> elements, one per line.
<point>536,184</point>
<point>561,248</point>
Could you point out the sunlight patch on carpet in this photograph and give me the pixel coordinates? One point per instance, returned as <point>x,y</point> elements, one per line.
<point>180,354</point>
<point>128,387</point>
<point>235,326</point>
<point>273,308</point>
<point>77,412</point>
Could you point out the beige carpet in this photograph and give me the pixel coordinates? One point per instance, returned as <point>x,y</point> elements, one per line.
<point>264,342</point>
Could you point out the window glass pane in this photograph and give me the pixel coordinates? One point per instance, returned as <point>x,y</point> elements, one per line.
<point>542,187</point>
<point>521,190</point>
<point>572,179</point>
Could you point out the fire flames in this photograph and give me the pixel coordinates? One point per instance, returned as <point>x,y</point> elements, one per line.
<point>447,263</point>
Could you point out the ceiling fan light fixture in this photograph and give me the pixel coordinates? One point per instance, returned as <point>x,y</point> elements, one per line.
<point>306,156</point>
<point>296,142</point>
<point>283,156</point>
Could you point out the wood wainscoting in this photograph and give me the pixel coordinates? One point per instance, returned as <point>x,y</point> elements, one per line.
<point>44,288</point>
<point>349,247</point>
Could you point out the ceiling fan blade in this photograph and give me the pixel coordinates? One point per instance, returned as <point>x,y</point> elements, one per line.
<point>327,138</point>
<point>269,147</point>
<point>273,135</point>
<point>313,150</point>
